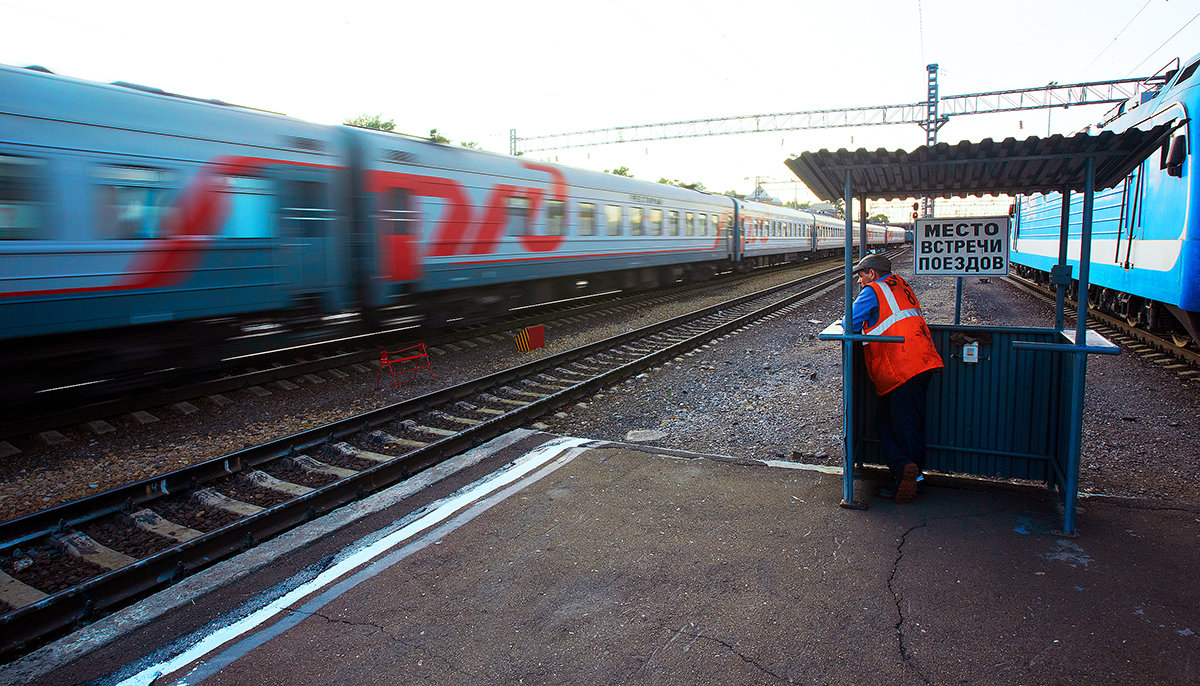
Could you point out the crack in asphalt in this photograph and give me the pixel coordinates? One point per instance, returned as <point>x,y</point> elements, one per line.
<point>453,667</point>
<point>904,656</point>
<point>676,633</point>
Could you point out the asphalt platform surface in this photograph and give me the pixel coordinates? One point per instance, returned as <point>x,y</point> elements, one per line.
<point>574,561</point>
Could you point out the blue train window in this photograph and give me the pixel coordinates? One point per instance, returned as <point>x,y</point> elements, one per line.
<point>587,219</point>
<point>1187,72</point>
<point>673,223</point>
<point>248,200</point>
<point>396,214</point>
<point>689,227</point>
<point>305,208</point>
<point>554,218</point>
<point>635,221</point>
<point>702,225</point>
<point>612,215</point>
<point>518,216</point>
<point>132,202</point>
<point>20,210</point>
<point>656,222</point>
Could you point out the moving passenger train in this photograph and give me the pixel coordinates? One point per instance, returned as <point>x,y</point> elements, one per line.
<point>1145,260</point>
<point>142,230</point>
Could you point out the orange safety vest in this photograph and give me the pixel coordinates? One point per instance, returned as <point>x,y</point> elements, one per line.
<point>891,364</point>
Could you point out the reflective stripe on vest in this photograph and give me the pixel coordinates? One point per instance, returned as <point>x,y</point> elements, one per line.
<point>891,364</point>
<point>893,307</point>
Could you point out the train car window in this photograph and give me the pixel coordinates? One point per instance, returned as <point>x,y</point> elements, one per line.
<point>702,225</point>
<point>587,219</point>
<point>248,200</point>
<point>635,221</point>
<point>554,218</point>
<point>20,211</point>
<point>305,207</point>
<point>131,202</point>
<point>673,223</point>
<point>396,214</point>
<point>656,222</point>
<point>518,216</point>
<point>689,227</point>
<point>612,215</point>
<point>1187,72</point>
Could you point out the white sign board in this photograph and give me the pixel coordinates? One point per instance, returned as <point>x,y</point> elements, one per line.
<point>963,246</point>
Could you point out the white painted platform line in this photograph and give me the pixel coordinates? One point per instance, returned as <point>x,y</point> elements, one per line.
<point>562,449</point>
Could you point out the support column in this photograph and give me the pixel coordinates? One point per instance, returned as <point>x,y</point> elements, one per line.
<point>848,362</point>
<point>1080,362</point>
<point>1061,277</point>
<point>862,227</point>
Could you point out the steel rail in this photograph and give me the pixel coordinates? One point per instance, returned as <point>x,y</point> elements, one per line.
<point>1185,356</point>
<point>69,607</point>
<point>329,359</point>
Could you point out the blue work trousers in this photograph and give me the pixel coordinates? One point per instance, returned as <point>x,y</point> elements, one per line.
<point>901,418</point>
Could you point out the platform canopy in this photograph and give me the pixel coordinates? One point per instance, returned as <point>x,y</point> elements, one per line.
<point>1010,166</point>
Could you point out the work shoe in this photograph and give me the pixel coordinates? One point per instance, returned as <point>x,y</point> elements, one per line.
<point>906,490</point>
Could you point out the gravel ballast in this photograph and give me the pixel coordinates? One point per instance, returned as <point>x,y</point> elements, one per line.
<point>772,391</point>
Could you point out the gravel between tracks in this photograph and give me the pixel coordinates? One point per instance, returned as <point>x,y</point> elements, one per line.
<point>772,391</point>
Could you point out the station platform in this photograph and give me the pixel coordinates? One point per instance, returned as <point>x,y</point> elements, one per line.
<point>579,561</point>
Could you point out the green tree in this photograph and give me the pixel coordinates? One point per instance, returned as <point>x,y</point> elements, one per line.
<point>619,171</point>
<point>437,137</point>
<point>735,194</point>
<point>695,186</point>
<point>878,218</point>
<point>372,121</point>
<point>470,144</point>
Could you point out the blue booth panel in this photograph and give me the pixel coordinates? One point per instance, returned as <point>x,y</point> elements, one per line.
<point>1006,415</point>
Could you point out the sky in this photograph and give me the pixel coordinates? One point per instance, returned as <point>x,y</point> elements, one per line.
<point>476,69</point>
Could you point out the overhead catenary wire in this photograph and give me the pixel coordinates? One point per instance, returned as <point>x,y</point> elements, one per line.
<point>1114,39</point>
<point>1160,47</point>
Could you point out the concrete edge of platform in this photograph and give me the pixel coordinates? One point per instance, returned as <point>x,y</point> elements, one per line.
<point>939,479</point>
<point>223,574</point>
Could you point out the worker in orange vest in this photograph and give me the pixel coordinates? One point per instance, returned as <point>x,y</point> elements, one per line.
<point>900,371</point>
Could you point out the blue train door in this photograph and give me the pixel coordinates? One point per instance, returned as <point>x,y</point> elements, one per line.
<point>307,223</point>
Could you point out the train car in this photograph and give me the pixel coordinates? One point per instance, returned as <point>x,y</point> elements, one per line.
<point>770,234</point>
<point>464,233</point>
<point>137,227</point>
<point>142,231</point>
<point>1145,247</point>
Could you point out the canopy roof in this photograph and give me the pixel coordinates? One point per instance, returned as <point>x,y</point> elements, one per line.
<point>1034,165</point>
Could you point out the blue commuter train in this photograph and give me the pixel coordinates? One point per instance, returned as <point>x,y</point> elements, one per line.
<point>141,230</point>
<point>1145,260</point>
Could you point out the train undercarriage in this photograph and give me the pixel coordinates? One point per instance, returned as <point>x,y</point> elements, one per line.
<point>1163,319</point>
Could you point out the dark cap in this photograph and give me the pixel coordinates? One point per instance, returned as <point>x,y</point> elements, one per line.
<point>879,263</point>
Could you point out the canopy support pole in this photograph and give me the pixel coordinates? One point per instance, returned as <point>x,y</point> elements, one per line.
<point>1075,438</point>
<point>848,500</point>
<point>1062,278</point>
<point>862,227</point>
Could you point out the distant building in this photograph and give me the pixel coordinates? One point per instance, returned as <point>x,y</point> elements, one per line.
<point>760,195</point>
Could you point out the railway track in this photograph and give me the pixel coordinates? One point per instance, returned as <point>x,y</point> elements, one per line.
<point>72,563</point>
<point>1160,350</point>
<point>298,361</point>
